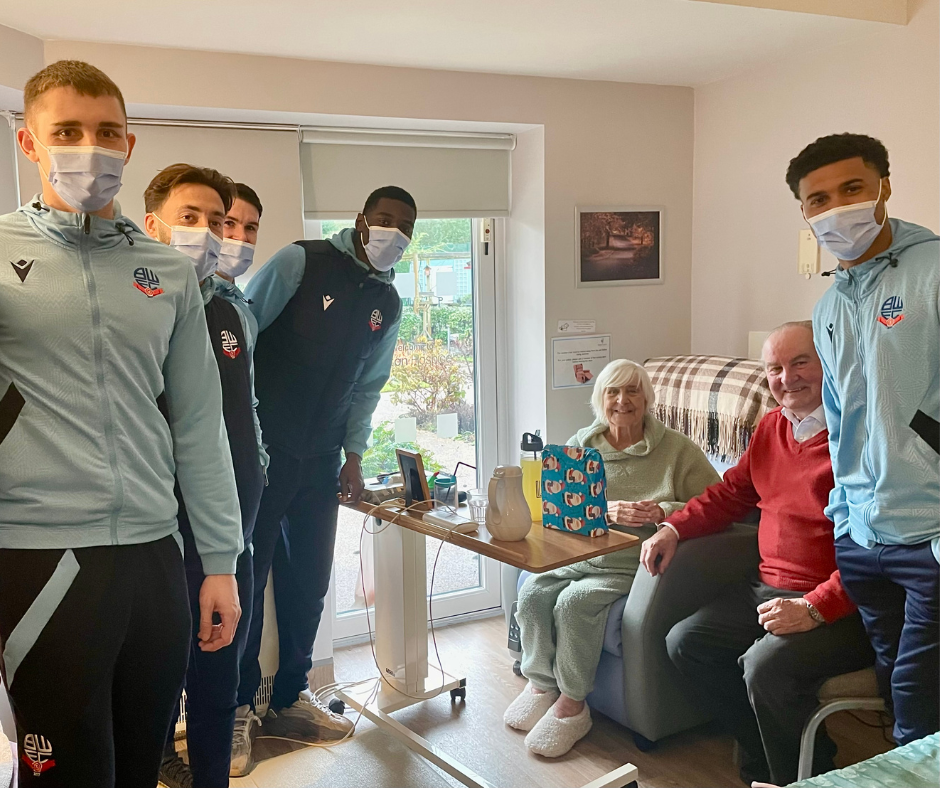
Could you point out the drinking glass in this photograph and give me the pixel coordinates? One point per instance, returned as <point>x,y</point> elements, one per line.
<point>477,500</point>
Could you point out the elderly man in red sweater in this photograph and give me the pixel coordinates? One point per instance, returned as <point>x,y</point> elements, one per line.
<point>757,655</point>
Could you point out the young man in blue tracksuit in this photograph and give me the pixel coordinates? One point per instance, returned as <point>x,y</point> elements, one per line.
<point>186,208</point>
<point>877,331</point>
<point>97,321</point>
<point>328,313</point>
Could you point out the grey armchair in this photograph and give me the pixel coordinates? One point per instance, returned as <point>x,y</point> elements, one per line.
<point>636,683</point>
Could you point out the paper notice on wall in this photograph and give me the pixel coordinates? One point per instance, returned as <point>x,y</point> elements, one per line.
<point>577,326</point>
<point>577,361</point>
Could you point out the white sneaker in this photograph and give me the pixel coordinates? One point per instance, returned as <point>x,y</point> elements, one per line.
<point>553,737</point>
<point>528,708</point>
<point>246,728</point>
<point>306,720</point>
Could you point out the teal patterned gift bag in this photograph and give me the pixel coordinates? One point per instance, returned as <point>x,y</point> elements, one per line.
<point>574,490</point>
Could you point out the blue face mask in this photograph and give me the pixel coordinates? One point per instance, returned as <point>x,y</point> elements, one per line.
<point>199,244</point>
<point>235,257</point>
<point>86,177</point>
<point>848,231</point>
<point>386,247</point>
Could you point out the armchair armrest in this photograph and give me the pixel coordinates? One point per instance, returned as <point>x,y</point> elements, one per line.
<point>657,701</point>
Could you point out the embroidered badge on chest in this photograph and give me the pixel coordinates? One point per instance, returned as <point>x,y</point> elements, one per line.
<point>375,321</point>
<point>147,282</point>
<point>230,344</point>
<point>891,312</point>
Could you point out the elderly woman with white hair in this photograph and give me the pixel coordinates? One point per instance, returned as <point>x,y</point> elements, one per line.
<point>652,471</point>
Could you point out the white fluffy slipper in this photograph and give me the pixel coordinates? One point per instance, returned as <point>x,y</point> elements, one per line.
<point>553,737</point>
<point>528,708</point>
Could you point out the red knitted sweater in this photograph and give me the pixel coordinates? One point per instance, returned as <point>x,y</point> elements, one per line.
<point>790,483</point>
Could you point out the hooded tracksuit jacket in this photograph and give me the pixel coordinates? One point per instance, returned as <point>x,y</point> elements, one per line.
<point>97,321</point>
<point>877,332</point>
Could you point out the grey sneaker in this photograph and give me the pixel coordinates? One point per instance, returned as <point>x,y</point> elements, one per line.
<point>246,729</point>
<point>174,773</point>
<point>306,720</point>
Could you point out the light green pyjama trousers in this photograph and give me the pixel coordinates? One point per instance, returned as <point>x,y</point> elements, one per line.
<point>562,615</point>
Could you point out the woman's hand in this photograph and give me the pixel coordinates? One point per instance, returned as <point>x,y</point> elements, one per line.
<point>635,513</point>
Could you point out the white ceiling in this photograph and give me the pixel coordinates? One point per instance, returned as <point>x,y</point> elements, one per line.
<point>674,42</point>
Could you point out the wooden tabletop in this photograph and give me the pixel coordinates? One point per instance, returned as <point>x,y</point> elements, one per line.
<point>542,550</point>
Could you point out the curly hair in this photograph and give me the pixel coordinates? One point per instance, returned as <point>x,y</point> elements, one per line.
<point>836,147</point>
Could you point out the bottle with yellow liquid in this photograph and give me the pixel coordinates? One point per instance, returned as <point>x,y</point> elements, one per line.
<point>531,463</point>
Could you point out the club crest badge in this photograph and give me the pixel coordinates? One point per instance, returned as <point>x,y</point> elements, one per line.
<point>147,282</point>
<point>230,345</point>
<point>37,753</point>
<point>375,320</point>
<point>891,312</point>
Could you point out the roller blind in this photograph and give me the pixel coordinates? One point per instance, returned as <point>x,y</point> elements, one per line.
<point>268,161</point>
<point>448,174</point>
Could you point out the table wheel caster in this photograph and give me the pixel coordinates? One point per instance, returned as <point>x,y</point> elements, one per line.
<point>337,706</point>
<point>458,693</point>
<point>517,667</point>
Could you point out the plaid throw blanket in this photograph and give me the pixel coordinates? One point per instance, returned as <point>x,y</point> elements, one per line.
<point>715,400</point>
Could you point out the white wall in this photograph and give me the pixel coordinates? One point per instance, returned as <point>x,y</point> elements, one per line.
<point>524,309</point>
<point>746,131</point>
<point>8,200</point>
<point>21,56</point>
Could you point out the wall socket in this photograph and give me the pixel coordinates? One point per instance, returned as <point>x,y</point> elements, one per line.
<point>808,258</point>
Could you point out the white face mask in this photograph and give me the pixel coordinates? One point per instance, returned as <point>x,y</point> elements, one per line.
<point>848,231</point>
<point>235,257</point>
<point>85,176</point>
<point>386,247</point>
<point>199,244</point>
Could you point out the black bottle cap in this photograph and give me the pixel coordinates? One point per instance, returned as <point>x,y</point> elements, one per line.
<point>532,441</point>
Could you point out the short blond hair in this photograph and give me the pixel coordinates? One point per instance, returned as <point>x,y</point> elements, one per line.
<point>82,77</point>
<point>621,372</point>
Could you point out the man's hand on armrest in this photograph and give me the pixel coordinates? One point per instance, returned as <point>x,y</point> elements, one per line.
<point>657,551</point>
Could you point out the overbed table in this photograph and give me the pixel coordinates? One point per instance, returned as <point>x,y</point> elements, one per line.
<point>401,619</point>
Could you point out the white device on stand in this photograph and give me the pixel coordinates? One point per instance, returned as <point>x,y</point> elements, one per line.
<point>458,519</point>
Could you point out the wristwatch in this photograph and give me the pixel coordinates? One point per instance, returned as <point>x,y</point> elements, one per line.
<point>815,614</point>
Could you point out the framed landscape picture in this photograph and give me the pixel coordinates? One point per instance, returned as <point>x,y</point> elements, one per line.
<point>618,246</point>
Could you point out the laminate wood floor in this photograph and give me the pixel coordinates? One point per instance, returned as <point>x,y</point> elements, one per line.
<point>473,732</point>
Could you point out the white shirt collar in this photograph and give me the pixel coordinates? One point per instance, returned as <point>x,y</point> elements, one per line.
<point>804,429</point>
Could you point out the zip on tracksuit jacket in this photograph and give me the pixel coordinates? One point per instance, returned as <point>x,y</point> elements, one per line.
<point>96,321</point>
<point>877,332</point>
